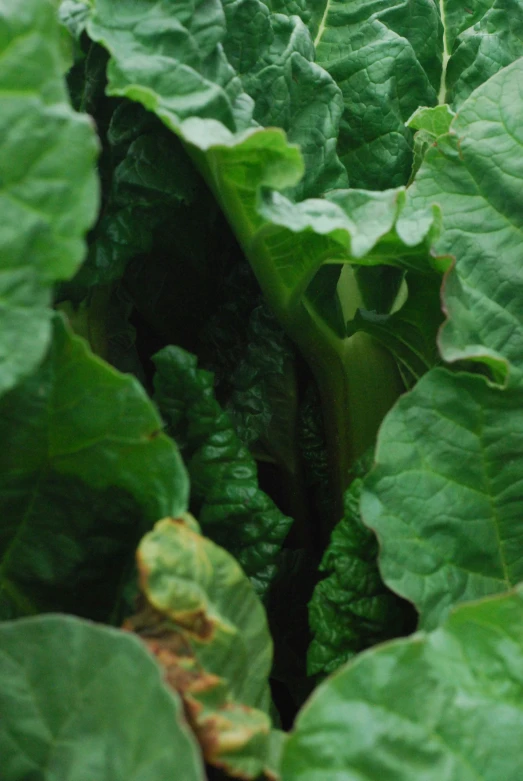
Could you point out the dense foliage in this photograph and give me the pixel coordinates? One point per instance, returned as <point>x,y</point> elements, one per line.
<point>261,390</point>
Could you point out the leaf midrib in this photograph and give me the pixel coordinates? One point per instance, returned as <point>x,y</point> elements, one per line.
<point>446,56</point>
<point>323,24</point>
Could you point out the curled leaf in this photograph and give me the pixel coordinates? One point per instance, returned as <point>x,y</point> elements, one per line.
<point>204,623</point>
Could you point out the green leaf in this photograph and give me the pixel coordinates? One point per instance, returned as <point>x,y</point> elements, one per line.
<point>201,82</point>
<point>84,472</point>
<point>207,627</point>
<point>435,121</point>
<point>430,123</point>
<point>386,58</point>
<point>482,37</point>
<point>409,333</point>
<point>49,193</point>
<point>474,174</point>
<point>280,84</point>
<point>77,702</point>
<point>225,495</point>
<point>449,458</point>
<point>348,226</point>
<point>389,58</point>
<point>444,498</point>
<point>263,404</point>
<point>147,191</point>
<point>444,706</point>
<point>350,609</point>
<point>200,586</point>
<point>275,56</point>
<point>286,243</point>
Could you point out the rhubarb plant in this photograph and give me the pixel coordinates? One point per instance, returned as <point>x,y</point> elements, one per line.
<point>261,389</point>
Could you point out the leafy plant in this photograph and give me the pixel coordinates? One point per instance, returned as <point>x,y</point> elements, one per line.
<point>260,265</point>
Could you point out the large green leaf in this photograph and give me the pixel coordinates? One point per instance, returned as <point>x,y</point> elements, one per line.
<point>84,701</point>
<point>275,56</point>
<point>85,470</point>
<point>286,243</point>
<point>475,174</point>
<point>49,193</point>
<point>445,496</point>
<point>386,58</point>
<point>225,495</point>
<point>439,707</point>
<point>280,84</point>
<point>182,40</point>
<point>204,622</point>
<point>481,38</point>
<point>391,57</point>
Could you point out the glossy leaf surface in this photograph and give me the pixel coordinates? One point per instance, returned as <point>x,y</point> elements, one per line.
<point>224,492</point>
<point>351,609</point>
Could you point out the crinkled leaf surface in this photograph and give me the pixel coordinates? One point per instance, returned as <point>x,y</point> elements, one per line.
<point>263,404</point>
<point>445,496</point>
<point>274,54</point>
<point>280,84</point>
<point>181,40</point>
<point>225,495</point>
<point>79,701</point>
<point>350,609</point>
<point>49,192</point>
<point>389,58</point>
<point>475,174</point>
<point>199,585</point>
<point>207,627</point>
<point>151,181</point>
<point>386,58</point>
<point>439,707</point>
<point>286,243</point>
<point>481,37</point>
<point>84,471</point>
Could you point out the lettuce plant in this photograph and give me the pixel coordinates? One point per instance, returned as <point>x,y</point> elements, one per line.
<point>261,271</point>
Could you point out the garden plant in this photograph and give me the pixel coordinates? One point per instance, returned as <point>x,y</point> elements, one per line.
<point>261,390</point>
